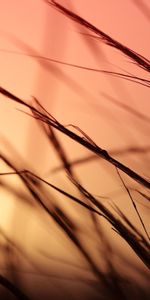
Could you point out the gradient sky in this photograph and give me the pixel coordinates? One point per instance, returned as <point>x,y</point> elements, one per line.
<point>32,28</point>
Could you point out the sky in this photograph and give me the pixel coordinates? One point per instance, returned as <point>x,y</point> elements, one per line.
<point>34,39</point>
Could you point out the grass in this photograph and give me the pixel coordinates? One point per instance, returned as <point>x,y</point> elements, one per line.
<point>111,283</point>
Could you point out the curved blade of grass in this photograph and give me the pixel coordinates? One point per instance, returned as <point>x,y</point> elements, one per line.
<point>131,78</point>
<point>12,288</point>
<point>134,205</point>
<point>90,146</point>
<point>142,250</point>
<point>140,60</point>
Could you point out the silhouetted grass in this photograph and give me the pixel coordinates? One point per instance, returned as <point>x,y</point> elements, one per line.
<point>50,120</point>
<point>140,60</point>
<point>13,289</point>
<point>110,284</point>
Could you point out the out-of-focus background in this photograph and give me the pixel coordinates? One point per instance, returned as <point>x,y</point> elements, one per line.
<point>35,42</point>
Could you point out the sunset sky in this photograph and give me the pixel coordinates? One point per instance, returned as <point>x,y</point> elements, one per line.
<point>34,40</point>
<point>34,28</point>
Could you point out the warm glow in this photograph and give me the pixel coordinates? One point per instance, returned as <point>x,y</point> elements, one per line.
<point>35,38</point>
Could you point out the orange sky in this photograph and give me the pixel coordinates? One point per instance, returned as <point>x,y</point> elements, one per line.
<point>73,95</point>
<point>35,28</point>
